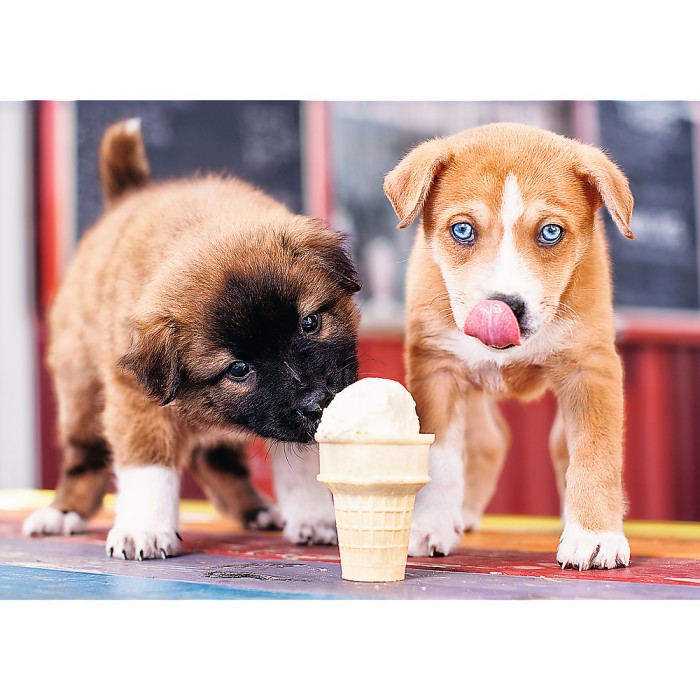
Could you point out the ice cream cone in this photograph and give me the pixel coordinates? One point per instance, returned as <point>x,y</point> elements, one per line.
<point>374,482</point>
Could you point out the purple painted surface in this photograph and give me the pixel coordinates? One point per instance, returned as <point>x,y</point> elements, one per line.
<point>247,577</point>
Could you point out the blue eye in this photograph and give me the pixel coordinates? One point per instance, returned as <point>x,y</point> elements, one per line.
<point>550,234</point>
<point>463,232</point>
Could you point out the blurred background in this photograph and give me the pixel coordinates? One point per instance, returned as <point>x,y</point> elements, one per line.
<point>328,159</point>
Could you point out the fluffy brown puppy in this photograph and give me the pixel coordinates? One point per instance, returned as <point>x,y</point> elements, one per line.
<point>196,313</point>
<point>509,294</point>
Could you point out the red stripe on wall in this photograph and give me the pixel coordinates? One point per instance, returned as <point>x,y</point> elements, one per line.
<point>47,274</point>
<point>48,230</point>
<point>318,173</point>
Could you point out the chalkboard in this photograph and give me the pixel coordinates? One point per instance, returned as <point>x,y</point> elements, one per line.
<point>653,144</point>
<point>257,141</point>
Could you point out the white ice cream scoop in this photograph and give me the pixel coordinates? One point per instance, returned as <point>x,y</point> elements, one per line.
<point>370,407</point>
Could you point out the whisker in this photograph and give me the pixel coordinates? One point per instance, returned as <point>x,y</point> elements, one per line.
<point>293,372</point>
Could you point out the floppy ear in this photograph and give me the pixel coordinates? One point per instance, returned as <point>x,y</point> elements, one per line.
<point>152,359</point>
<point>339,264</point>
<point>336,260</point>
<point>408,185</point>
<point>330,249</point>
<point>610,186</point>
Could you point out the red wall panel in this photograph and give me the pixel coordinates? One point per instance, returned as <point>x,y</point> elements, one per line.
<point>662,435</point>
<point>662,427</point>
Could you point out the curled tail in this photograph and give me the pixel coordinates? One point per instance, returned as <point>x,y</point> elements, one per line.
<point>123,163</point>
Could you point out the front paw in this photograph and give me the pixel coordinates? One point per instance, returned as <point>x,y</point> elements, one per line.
<point>471,519</point>
<point>585,549</point>
<point>51,521</point>
<point>310,531</point>
<point>142,545</point>
<point>434,534</point>
<point>267,518</point>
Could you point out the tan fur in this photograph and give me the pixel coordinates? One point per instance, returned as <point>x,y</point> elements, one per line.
<point>561,181</point>
<point>139,288</point>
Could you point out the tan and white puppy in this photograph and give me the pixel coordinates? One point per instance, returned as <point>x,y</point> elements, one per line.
<point>508,295</point>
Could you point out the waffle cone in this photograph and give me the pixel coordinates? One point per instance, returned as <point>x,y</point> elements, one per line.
<point>374,486</point>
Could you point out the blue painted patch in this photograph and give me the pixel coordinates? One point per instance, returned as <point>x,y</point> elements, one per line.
<point>21,583</point>
<point>79,570</point>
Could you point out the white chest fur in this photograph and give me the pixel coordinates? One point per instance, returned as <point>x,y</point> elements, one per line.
<point>486,364</point>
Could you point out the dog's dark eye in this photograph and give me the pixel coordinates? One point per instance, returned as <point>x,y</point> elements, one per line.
<point>238,370</point>
<point>463,232</point>
<point>550,234</point>
<point>310,324</point>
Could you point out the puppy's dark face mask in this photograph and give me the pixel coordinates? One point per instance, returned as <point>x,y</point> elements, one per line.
<point>267,352</point>
<point>288,358</point>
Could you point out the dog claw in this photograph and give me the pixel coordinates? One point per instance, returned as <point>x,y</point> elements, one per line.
<point>163,554</point>
<point>177,534</point>
<point>124,554</point>
<point>111,551</point>
<point>435,552</point>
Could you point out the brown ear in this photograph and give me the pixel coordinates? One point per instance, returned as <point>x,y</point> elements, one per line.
<point>330,250</point>
<point>152,359</point>
<point>336,260</point>
<point>408,185</point>
<point>610,185</point>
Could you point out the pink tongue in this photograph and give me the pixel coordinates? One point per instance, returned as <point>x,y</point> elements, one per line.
<point>494,324</point>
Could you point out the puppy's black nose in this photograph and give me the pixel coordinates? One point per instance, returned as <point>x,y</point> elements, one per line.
<point>516,303</point>
<point>313,402</point>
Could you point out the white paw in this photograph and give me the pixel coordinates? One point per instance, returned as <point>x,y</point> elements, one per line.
<point>308,531</point>
<point>147,509</point>
<point>142,545</point>
<point>268,518</point>
<point>51,521</point>
<point>471,520</point>
<point>434,534</point>
<point>305,505</point>
<point>585,549</point>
